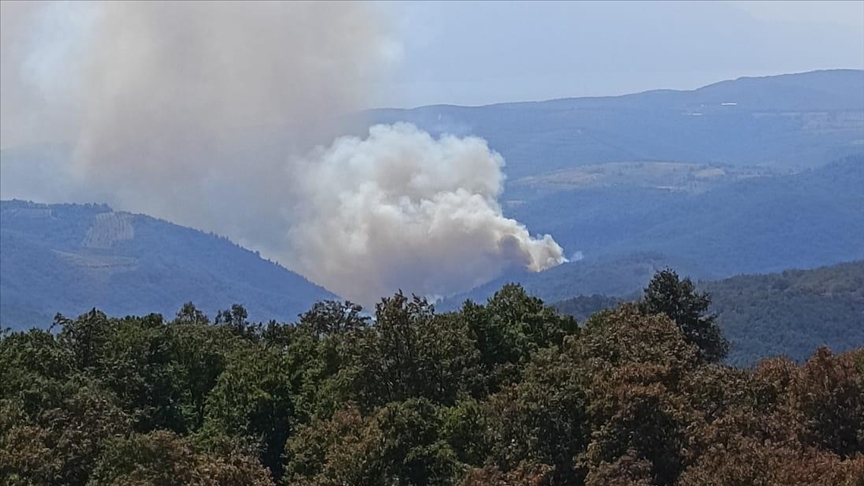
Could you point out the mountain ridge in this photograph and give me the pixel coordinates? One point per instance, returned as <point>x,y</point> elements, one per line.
<point>818,114</point>
<point>817,72</point>
<point>632,185</point>
<point>68,258</point>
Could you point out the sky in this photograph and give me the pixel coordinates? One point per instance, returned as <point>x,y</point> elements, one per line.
<point>473,53</point>
<point>476,53</point>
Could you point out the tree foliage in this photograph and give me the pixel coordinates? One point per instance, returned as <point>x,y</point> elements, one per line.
<point>505,393</point>
<point>678,299</point>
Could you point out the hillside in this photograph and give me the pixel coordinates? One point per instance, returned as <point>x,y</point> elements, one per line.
<point>794,120</point>
<point>788,313</point>
<point>754,225</point>
<point>753,175</point>
<point>631,183</point>
<point>615,277</point>
<point>70,258</point>
<point>791,312</point>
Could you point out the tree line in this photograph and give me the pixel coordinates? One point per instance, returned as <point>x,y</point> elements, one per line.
<point>509,392</point>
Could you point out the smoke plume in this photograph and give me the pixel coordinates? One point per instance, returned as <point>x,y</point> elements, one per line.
<point>208,114</point>
<point>401,209</point>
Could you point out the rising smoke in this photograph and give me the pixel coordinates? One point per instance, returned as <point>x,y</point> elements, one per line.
<point>207,114</point>
<point>401,209</point>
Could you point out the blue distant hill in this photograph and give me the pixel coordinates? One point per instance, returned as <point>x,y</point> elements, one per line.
<point>750,175</point>
<point>69,258</point>
<point>793,120</point>
<point>756,225</point>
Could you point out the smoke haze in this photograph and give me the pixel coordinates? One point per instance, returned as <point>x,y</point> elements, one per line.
<point>206,114</point>
<point>402,208</point>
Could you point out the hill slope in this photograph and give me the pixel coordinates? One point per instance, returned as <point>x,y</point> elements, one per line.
<point>794,120</point>
<point>752,175</point>
<point>635,183</point>
<point>613,277</point>
<point>754,225</point>
<point>788,313</point>
<point>70,258</point>
<point>791,312</point>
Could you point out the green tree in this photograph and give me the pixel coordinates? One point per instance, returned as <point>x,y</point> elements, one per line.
<point>320,351</point>
<point>635,364</point>
<point>135,365</point>
<point>507,393</point>
<point>410,353</point>
<point>235,316</point>
<point>510,327</point>
<point>252,399</point>
<point>59,444</point>
<point>162,458</point>
<point>542,420</point>
<point>84,337</point>
<point>676,298</point>
<point>189,314</point>
<point>398,444</point>
<point>197,355</point>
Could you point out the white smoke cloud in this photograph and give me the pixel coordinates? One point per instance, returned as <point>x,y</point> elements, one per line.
<point>25,89</point>
<point>200,113</point>
<point>180,93</point>
<point>401,209</point>
<point>184,110</point>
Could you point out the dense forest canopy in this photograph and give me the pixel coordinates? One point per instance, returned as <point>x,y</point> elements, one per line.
<point>509,393</point>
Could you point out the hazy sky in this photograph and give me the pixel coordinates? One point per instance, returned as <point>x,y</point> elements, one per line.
<point>473,53</point>
<point>485,52</point>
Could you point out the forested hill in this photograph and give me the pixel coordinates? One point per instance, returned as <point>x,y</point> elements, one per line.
<point>69,258</point>
<point>788,313</point>
<point>791,312</point>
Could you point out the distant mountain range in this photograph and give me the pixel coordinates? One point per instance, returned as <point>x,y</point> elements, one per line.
<point>69,258</point>
<point>788,313</point>
<point>753,175</point>
<point>788,121</point>
<point>759,225</point>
